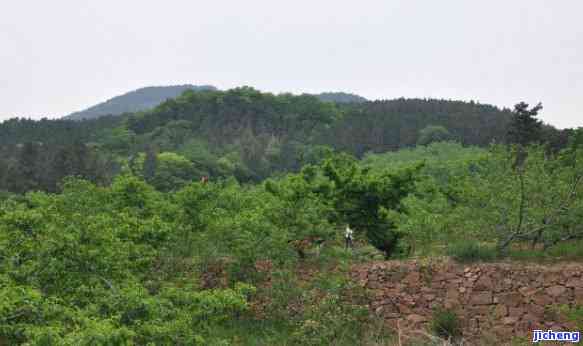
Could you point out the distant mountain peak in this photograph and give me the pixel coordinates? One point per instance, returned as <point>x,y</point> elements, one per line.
<point>137,100</point>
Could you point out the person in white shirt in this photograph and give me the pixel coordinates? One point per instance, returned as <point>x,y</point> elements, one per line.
<point>348,237</point>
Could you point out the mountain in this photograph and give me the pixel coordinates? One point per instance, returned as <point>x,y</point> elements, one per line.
<point>134,101</point>
<point>241,133</point>
<point>340,97</point>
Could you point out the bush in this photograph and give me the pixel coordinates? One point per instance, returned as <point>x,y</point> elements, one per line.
<point>446,324</point>
<point>471,251</point>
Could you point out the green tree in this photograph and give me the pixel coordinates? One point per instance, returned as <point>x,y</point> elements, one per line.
<point>432,133</point>
<point>524,127</point>
<point>150,164</point>
<point>368,201</point>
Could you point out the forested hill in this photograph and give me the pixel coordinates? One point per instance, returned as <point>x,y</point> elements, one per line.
<point>135,101</point>
<point>149,97</point>
<point>341,97</point>
<point>241,133</point>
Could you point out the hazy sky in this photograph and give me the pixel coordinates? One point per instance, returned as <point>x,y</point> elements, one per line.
<point>60,56</point>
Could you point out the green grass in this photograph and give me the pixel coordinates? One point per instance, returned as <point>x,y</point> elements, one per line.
<point>446,324</point>
<point>248,332</point>
<point>566,251</point>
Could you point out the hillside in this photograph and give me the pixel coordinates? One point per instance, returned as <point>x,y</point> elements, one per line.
<point>340,97</point>
<point>241,133</point>
<point>134,101</point>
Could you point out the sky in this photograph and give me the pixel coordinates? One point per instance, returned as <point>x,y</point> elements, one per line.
<point>61,56</point>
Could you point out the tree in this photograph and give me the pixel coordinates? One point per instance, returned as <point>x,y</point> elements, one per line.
<point>432,133</point>
<point>367,201</point>
<point>172,171</point>
<point>27,168</point>
<point>150,163</point>
<point>524,127</point>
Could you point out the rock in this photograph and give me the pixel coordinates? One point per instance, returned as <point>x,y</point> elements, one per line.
<point>481,298</point>
<point>574,282</point>
<point>429,297</point>
<point>392,315</point>
<point>413,278</point>
<point>542,299</point>
<point>484,284</point>
<point>536,311</point>
<point>509,320</point>
<point>511,299</point>
<point>500,311</point>
<point>527,291</point>
<point>503,332</point>
<point>535,321</point>
<point>414,318</point>
<point>404,309</point>
<point>551,278</point>
<point>452,294</point>
<point>474,325</point>
<point>451,303</point>
<point>555,291</point>
<point>578,296</point>
<point>482,310</point>
<point>426,290</point>
<point>374,285</point>
<point>516,312</point>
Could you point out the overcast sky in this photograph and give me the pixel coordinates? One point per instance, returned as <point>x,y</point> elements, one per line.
<point>61,56</point>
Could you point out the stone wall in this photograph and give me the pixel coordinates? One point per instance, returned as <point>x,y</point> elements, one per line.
<point>496,301</point>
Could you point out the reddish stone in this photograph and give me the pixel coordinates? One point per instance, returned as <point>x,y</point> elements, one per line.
<point>404,309</point>
<point>452,294</point>
<point>451,303</point>
<point>535,320</point>
<point>374,285</point>
<point>413,278</point>
<point>429,297</point>
<point>555,291</point>
<point>578,292</point>
<point>528,291</point>
<point>509,320</point>
<point>414,318</point>
<point>563,299</point>
<point>574,282</point>
<point>536,311</point>
<point>500,311</point>
<point>503,332</point>
<point>550,278</point>
<point>516,312</point>
<point>542,299</point>
<point>427,290</point>
<point>392,315</point>
<point>484,283</point>
<point>481,298</point>
<point>511,299</point>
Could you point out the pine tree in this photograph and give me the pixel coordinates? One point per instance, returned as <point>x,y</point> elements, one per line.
<point>525,128</point>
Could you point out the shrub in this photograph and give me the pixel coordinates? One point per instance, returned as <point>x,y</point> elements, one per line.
<point>446,324</point>
<point>471,251</point>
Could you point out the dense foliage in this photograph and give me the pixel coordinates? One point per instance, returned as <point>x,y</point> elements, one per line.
<point>252,135</point>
